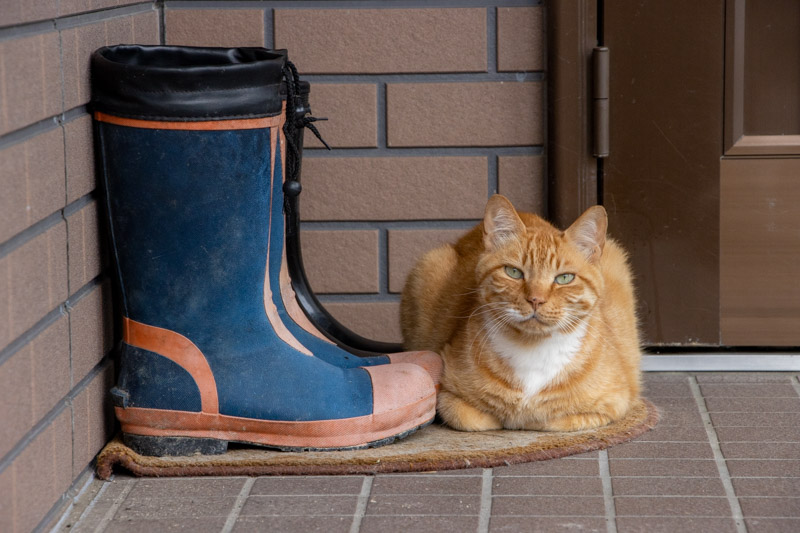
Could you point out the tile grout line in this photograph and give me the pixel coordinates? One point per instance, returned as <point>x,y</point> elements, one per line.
<point>608,492</point>
<point>109,516</point>
<point>237,506</point>
<point>719,458</point>
<point>485,513</point>
<point>795,384</point>
<point>361,506</point>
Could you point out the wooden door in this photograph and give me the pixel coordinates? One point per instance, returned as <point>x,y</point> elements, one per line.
<point>703,177</point>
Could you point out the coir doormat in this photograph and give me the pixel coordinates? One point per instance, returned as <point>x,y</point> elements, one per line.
<point>435,447</point>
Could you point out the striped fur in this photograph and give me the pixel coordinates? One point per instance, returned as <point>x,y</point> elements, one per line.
<point>527,353</point>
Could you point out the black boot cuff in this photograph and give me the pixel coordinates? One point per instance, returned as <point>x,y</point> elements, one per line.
<point>182,83</point>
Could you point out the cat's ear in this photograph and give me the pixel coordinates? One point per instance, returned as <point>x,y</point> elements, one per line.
<point>588,233</point>
<point>501,223</point>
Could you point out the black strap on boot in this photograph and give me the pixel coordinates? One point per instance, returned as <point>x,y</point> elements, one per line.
<point>298,118</point>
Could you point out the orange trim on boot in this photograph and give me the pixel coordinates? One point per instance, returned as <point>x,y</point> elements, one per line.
<point>392,416</point>
<point>204,125</point>
<point>180,351</point>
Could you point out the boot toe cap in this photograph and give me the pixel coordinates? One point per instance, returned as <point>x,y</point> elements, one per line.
<point>430,361</point>
<point>397,388</point>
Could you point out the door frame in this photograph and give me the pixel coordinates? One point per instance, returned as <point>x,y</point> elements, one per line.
<point>573,181</point>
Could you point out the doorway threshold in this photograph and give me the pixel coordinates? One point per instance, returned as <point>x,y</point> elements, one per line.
<point>722,362</point>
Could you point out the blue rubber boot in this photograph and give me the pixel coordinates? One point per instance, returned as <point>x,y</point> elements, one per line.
<point>299,308</point>
<point>188,150</point>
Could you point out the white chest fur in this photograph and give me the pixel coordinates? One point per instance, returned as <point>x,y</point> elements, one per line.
<point>536,366</point>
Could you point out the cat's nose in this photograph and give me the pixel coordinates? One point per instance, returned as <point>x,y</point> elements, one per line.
<point>536,302</point>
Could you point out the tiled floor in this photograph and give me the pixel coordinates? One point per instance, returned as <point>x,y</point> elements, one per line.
<point>725,457</point>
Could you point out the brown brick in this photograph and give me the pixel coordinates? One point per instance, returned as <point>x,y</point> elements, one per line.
<point>520,33</point>
<point>351,110</point>
<point>340,41</point>
<point>42,472</point>
<point>32,381</point>
<point>15,397</point>
<point>85,257</point>
<point>34,282</point>
<point>145,29</point>
<point>71,7</point>
<point>464,114</point>
<point>80,158</point>
<point>32,180</point>
<point>30,80</point>
<point>50,359</point>
<point>7,493</point>
<point>394,188</point>
<point>341,261</point>
<point>521,180</point>
<point>91,329</point>
<point>215,27</point>
<point>78,44</point>
<point>15,12</point>
<point>93,419</point>
<point>406,247</point>
<point>378,320</point>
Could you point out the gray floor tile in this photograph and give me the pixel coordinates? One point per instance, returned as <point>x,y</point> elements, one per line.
<point>548,506</point>
<point>405,524</point>
<point>384,485</point>
<point>666,524</point>
<point>538,524</point>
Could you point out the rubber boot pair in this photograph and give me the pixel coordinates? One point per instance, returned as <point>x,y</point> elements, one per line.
<point>190,150</point>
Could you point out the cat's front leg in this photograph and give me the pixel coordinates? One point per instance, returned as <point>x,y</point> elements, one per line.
<point>575,422</point>
<point>460,415</point>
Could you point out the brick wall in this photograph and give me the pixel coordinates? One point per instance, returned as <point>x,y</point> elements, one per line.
<point>431,109</point>
<point>56,327</point>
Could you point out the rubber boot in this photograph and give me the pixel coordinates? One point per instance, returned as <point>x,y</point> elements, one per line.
<point>187,144</point>
<point>303,305</point>
<point>286,300</point>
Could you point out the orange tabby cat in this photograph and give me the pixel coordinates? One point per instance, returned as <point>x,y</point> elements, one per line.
<point>536,326</point>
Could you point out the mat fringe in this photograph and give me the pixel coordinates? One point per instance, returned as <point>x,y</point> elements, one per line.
<point>451,450</point>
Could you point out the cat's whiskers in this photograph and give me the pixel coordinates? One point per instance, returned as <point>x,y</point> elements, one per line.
<point>488,329</point>
<point>490,307</point>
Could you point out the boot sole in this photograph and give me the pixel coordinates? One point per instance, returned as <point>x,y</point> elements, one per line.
<point>179,433</point>
<point>186,446</point>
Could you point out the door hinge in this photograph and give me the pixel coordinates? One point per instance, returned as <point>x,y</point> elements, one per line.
<point>600,64</point>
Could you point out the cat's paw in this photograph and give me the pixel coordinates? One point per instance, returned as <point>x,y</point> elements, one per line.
<point>462,416</point>
<point>577,422</point>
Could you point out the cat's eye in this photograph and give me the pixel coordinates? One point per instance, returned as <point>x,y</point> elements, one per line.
<point>514,273</point>
<point>563,279</point>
